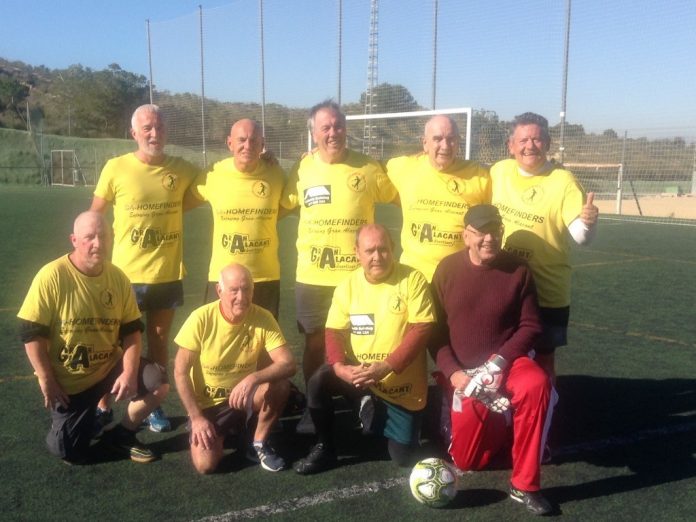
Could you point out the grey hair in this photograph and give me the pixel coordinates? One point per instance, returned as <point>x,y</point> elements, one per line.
<point>148,107</point>
<point>531,118</point>
<point>326,104</point>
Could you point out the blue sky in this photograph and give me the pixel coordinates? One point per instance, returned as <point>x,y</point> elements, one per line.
<point>631,61</point>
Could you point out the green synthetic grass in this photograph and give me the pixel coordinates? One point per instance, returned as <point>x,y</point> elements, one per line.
<point>625,426</point>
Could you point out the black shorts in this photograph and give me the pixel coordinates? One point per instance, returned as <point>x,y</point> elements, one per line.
<point>159,296</point>
<point>72,427</point>
<point>390,420</point>
<point>312,303</point>
<point>225,419</point>
<point>555,323</point>
<point>266,295</point>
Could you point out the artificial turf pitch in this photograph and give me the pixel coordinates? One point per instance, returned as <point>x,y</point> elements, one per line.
<point>624,431</point>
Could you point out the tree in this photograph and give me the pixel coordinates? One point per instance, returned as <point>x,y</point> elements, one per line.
<point>571,129</point>
<point>489,136</point>
<point>387,97</point>
<point>610,133</point>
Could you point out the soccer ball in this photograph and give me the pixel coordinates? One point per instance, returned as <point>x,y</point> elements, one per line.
<point>433,482</point>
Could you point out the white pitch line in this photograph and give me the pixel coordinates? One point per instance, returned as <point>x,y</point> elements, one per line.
<point>294,504</point>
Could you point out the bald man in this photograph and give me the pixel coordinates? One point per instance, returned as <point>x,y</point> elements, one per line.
<point>81,329</point>
<point>380,319</point>
<point>436,188</point>
<point>217,375</point>
<point>244,193</point>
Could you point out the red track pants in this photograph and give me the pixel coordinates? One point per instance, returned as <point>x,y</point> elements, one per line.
<point>478,434</point>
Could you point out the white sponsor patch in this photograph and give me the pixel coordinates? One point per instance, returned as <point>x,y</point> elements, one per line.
<point>319,195</point>
<point>362,324</point>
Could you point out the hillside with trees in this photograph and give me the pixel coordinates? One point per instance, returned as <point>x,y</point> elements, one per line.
<point>79,102</point>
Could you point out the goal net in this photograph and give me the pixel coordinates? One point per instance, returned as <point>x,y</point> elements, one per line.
<point>65,169</point>
<point>628,191</point>
<point>387,135</point>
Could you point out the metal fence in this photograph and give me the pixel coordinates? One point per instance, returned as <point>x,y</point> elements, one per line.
<point>272,59</point>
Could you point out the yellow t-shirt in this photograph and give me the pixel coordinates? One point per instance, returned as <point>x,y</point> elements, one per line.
<point>536,211</point>
<point>433,205</point>
<point>245,213</point>
<point>377,315</point>
<point>148,221</point>
<point>228,352</point>
<point>335,200</point>
<point>83,315</point>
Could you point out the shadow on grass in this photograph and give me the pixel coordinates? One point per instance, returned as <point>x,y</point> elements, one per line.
<point>644,425</point>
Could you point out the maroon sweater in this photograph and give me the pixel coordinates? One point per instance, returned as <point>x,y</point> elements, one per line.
<point>482,310</point>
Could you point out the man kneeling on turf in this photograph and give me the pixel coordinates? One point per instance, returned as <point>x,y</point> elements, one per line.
<point>217,377</point>
<point>488,320</point>
<point>376,331</point>
<point>81,329</point>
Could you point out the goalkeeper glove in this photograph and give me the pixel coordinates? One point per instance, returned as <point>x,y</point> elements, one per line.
<point>487,378</point>
<point>485,383</point>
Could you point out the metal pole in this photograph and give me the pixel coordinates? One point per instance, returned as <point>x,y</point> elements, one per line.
<point>340,47</point>
<point>619,184</point>
<point>435,13</point>
<point>205,153</point>
<point>693,171</point>
<point>149,56</point>
<point>561,145</point>
<point>263,74</point>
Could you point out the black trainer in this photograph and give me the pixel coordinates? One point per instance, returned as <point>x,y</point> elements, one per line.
<point>320,458</point>
<point>534,501</point>
<point>367,414</point>
<point>102,418</point>
<point>265,455</point>
<point>124,442</point>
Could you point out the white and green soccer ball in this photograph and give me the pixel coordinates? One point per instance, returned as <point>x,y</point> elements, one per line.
<point>433,482</point>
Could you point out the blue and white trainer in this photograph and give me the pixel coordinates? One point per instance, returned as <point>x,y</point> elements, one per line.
<point>158,421</point>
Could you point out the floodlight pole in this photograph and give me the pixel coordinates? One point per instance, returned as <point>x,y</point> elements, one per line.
<point>340,48</point>
<point>561,145</point>
<point>149,56</point>
<point>263,74</point>
<point>205,153</point>
<point>693,171</point>
<point>435,15</point>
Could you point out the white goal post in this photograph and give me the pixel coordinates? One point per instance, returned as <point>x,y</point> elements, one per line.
<point>66,169</point>
<point>390,134</point>
<point>597,169</point>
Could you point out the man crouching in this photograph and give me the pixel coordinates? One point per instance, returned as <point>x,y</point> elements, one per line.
<point>216,372</point>
<point>81,329</point>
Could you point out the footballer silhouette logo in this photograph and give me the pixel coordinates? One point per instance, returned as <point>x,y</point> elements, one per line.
<point>261,189</point>
<point>397,304</point>
<point>170,181</point>
<point>533,195</point>
<point>454,186</point>
<point>107,298</point>
<point>356,182</point>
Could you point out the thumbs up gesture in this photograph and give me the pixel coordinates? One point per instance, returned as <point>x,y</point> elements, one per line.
<point>589,211</point>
